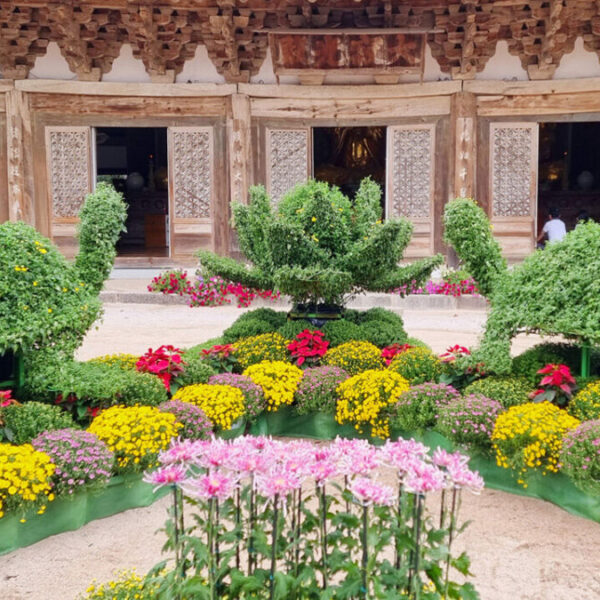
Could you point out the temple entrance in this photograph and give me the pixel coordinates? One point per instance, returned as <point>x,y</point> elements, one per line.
<point>134,160</point>
<point>343,156</point>
<point>569,172</point>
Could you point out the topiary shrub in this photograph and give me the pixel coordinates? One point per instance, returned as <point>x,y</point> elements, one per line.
<point>195,425</point>
<point>585,405</point>
<point>23,422</point>
<point>317,246</point>
<point>382,333</point>
<point>509,391</point>
<point>342,331</point>
<point>419,407</point>
<point>245,329</point>
<point>539,295</point>
<point>417,365</point>
<point>292,328</point>
<point>253,350</point>
<point>87,388</point>
<point>48,304</point>
<point>470,421</point>
<point>354,357</point>
<point>276,318</point>
<point>317,390</point>
<point>380,315</point>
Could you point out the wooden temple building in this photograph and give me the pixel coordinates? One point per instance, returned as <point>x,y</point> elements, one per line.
<point>183,104</point>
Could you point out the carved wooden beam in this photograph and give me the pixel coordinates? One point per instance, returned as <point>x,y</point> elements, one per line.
<point>22,39</point>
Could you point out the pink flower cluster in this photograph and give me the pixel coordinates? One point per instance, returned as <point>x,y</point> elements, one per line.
<point>466,287</point>
<point>214,468</point>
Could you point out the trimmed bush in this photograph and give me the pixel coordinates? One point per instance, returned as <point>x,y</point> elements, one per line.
<point>342,331</point>
<point>23,422</point>
<point>245,329</point>
<point>317,390</point>
<point>292,328</point>
<point>419,407</point>
<point>196,370</point>
<point>382,333</point>
<point>276,318</point>
<point>87,388</point>
<point>509,391</point>
<point>417,365</point>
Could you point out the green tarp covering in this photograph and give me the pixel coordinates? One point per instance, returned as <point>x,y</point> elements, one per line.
<point>70,513</point>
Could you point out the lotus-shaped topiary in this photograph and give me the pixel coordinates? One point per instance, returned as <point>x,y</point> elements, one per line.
<point>317,246</point>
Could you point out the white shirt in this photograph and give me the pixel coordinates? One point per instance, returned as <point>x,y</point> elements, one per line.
<point>555,230</point>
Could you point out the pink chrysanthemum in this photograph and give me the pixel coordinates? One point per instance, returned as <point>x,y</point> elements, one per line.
<point>278,483</point>
<point>368,492</point>
<point>171,475</point>
<point>215,485</point>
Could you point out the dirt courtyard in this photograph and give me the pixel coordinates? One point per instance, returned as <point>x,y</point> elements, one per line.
<point>521,548</point>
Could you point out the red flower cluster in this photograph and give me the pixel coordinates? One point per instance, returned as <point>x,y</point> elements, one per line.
<point>221,356</point>
<point>6,398</point>
<point>454,352</point>
<point>164,362</point>
<point>388,353</point>
<point>557,386</point>
<point>171,282</point>
<point>309,346</point>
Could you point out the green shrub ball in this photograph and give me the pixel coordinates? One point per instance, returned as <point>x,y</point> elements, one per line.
<point>509,391</point>
<point>23,422</point>
<point>246,328</point>
<point>342,331</point>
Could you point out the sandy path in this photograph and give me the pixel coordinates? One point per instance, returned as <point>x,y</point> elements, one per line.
<point>521,549</point>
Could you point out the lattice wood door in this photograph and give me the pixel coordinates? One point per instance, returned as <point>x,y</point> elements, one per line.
<point>289,157</point>
<point>69,160</point>
<point>410,182</point>
<point>513,186</point>
<point>191,189</point>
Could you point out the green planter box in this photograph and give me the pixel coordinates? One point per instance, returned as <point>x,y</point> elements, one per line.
<point>70,513</point>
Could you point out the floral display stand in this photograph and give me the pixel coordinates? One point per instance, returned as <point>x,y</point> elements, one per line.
<point>71,513</point>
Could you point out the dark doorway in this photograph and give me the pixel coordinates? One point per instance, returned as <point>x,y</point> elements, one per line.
<point>343,156</point>
<point>569,172</point>
<point>134,160</point>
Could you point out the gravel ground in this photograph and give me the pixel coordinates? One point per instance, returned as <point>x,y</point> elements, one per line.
<point>521,548</point>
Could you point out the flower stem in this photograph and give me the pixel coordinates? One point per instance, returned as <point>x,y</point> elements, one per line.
<point>365,553</point>
<point>323,502</point>
<point>453,521</point>
<point>211,556</point>
<point>417,555</point>
<point>274,547</point>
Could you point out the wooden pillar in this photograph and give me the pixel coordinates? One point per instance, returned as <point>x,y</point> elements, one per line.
<point>463,116</point>
<point>3,161</point>
<point>19,158</point>
<point>239,148</point>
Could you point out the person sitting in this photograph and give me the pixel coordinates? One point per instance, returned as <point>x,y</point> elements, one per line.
<point>554,228</point>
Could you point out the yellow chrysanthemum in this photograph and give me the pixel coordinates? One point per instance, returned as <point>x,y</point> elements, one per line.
<point>354,357</point>
<point>362,398</point>
<point>136,434</point>
<point>529,437</point>
<point>278,380</point>
<point>222,404</point>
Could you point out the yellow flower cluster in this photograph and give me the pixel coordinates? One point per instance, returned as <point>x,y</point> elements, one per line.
<point>529,437</point>
<point>354,357</point>
<point>136,434</point>
<point>417,365</point>
<point>586,404</point>
<point>129,585</point>
<point>278,380</point>
<point>222,404</point>
<point>362,398</point>
<point>255,349</point>
<point>24,478</point>
<point>121,360</point>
